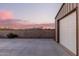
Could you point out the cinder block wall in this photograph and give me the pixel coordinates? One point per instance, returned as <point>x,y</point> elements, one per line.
<point>29,33</point>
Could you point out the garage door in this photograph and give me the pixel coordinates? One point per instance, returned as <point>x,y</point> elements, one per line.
<point>68,32</point>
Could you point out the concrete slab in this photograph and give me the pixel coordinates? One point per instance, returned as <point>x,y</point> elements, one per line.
<point>30,47</point>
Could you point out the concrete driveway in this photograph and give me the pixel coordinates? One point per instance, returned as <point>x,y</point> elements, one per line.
<point>30,47</point>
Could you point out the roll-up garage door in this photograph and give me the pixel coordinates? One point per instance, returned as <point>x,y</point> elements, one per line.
<point>67,32</point>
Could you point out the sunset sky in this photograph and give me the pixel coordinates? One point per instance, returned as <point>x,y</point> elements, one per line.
<point>26,13</point>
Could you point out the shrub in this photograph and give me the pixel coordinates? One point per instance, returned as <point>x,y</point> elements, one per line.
<point>11,35</point>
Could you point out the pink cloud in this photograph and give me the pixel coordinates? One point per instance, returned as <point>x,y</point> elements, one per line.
<point>6,15</point>
<point>14,24</point>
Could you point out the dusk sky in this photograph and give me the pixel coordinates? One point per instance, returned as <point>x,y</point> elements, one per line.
<point>37,13</point>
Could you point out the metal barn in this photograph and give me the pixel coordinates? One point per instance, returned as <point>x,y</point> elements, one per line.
<point>67,27</point>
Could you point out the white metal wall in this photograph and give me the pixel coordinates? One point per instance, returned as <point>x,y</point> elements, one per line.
<point>68,32</point>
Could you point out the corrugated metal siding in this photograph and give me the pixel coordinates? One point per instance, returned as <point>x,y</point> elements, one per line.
<point>66,8</point>
<point>78,27</point>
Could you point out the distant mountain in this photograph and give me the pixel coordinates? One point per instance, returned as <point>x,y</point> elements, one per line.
<point>42,26</point>
<point>17,24</point>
